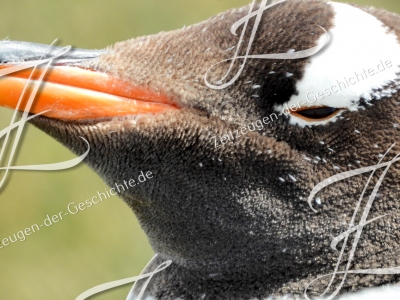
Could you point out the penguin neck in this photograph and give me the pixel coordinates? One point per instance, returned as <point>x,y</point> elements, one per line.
<point>177,282</point>
<point>238,236</point>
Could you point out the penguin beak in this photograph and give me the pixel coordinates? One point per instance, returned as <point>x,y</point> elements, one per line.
<point>67,91</point>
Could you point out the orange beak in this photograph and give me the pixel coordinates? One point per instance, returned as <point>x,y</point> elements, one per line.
<point>72,93</point>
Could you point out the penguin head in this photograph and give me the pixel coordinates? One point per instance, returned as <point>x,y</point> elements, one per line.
<point>234,167</point>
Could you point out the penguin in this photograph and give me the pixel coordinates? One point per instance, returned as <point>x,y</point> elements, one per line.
<point>236,202</point>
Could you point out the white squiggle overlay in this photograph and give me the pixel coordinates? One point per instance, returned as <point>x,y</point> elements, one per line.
<point>20,124</point>
<point>358,229</point>
<point>113,284</point>
<point>245,21</point>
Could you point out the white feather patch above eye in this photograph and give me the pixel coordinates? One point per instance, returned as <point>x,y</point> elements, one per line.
<point>362,57</point>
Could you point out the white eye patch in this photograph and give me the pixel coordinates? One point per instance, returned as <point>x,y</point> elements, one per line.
<point>362,57</point>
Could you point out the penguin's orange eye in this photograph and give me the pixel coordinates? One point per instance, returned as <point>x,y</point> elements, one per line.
<point>316,113</point>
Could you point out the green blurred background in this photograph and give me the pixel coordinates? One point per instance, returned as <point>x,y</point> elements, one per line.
<point>105,242</point>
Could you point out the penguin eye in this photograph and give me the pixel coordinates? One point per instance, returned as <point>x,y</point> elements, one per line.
<point>317,113</point>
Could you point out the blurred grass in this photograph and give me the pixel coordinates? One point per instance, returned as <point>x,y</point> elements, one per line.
<point>105,242</point>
